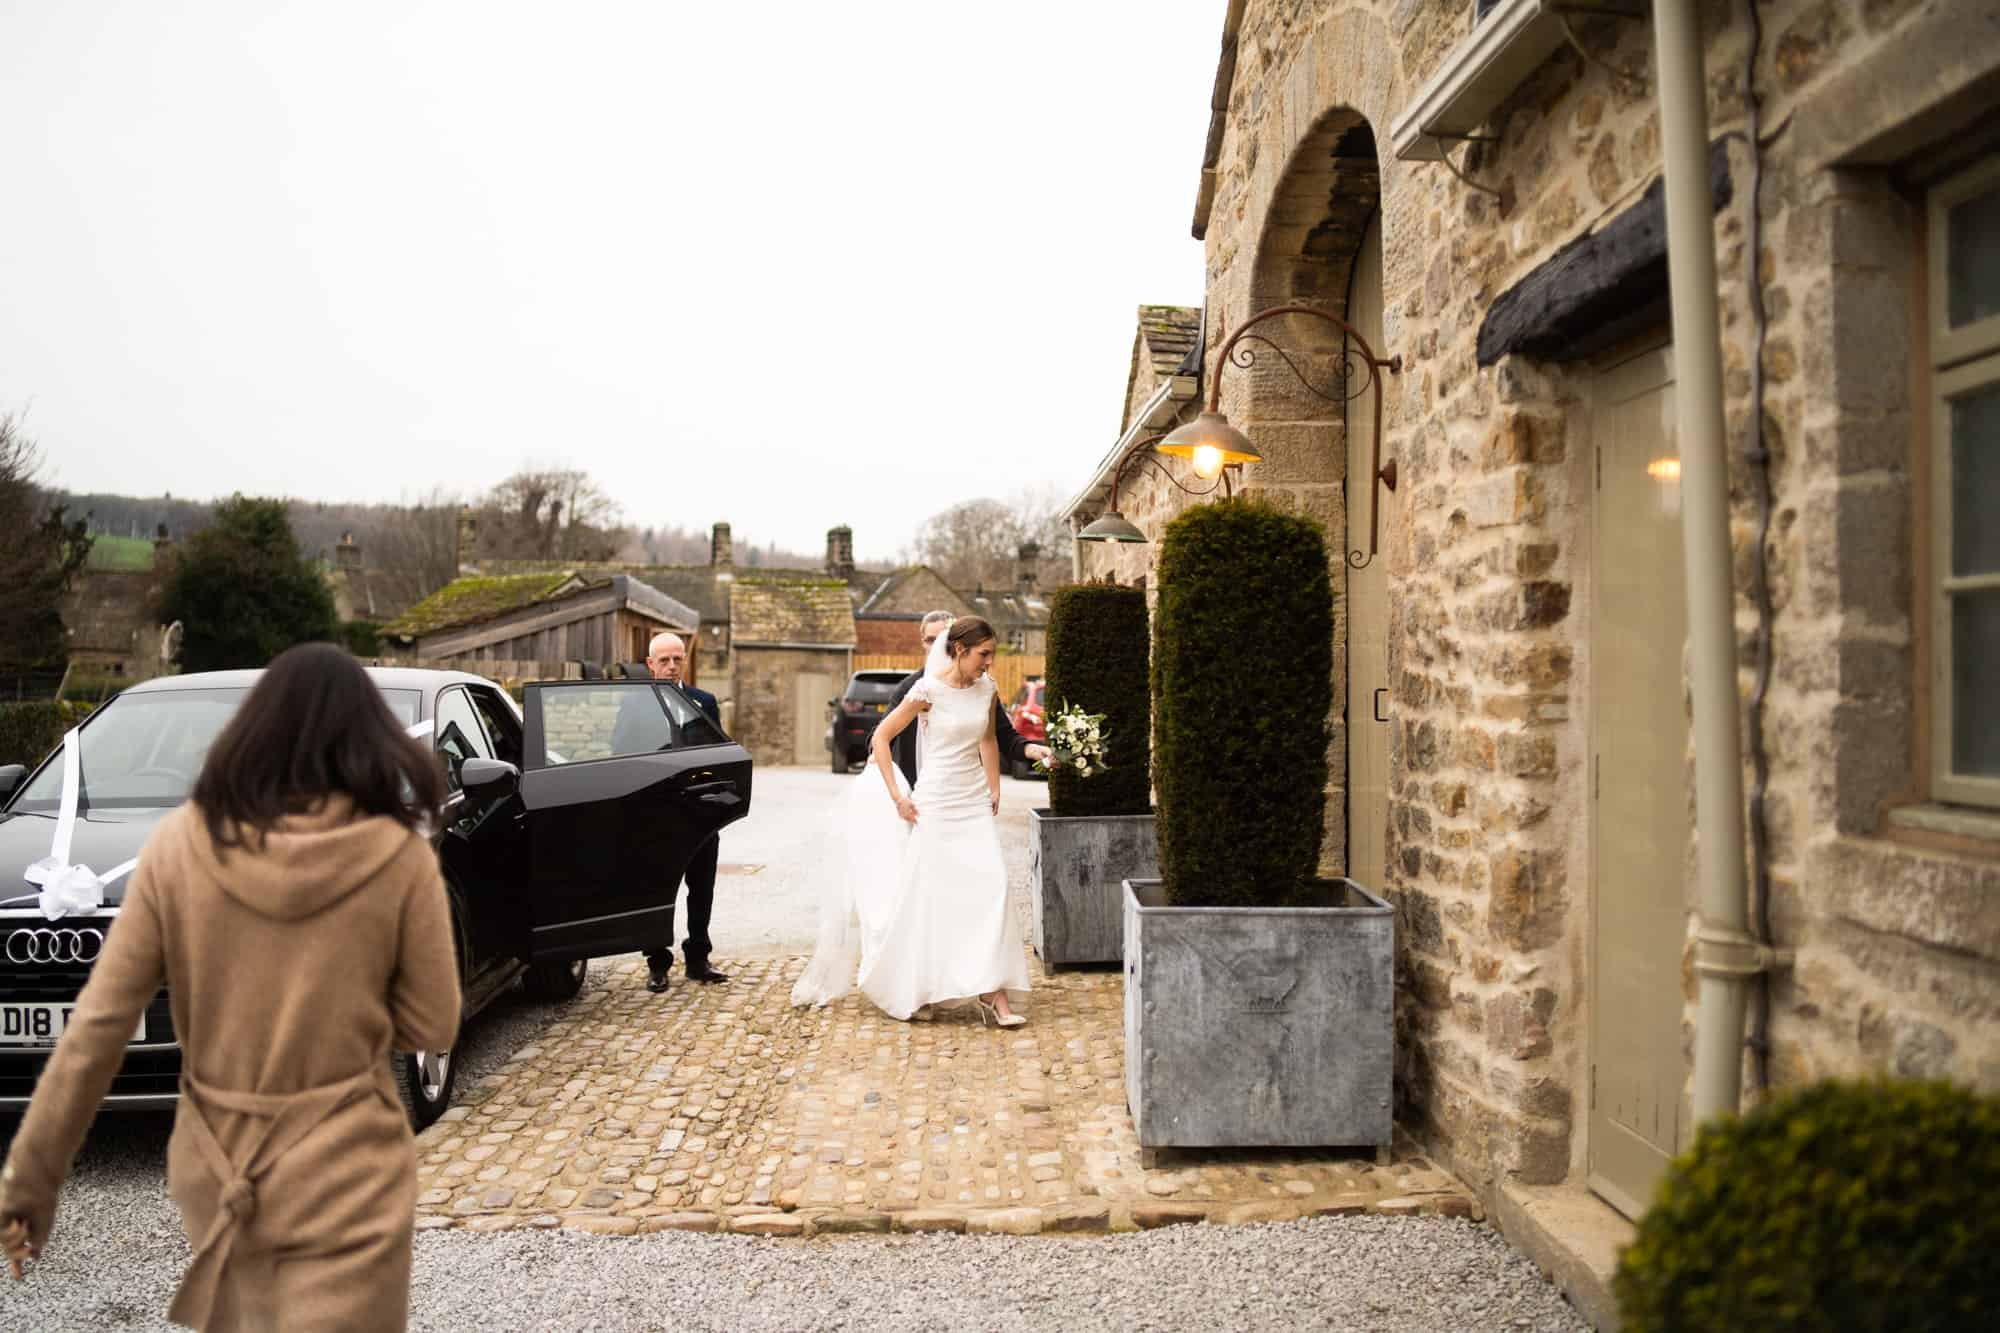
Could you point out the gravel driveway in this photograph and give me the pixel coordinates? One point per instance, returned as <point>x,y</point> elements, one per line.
<point>118,1249</point>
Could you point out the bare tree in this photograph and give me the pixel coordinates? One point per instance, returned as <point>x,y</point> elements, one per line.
<point>550,513</point>
<point>41,550</point>
<point>978,542</point>
<point>413,549</point>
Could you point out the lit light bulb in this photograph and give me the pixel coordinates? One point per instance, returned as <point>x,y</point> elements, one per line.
<point>1664,469</point>
<point>1207,460</point>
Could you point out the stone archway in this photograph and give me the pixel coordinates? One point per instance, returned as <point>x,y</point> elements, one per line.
<point>1309,251</point>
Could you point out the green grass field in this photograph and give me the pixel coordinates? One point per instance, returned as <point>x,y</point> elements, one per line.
<point>121,553</point>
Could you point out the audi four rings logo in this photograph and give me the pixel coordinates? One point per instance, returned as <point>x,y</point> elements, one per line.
<point>55,946</point>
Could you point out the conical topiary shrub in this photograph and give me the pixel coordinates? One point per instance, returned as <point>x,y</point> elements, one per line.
<point>1097,662</point>
<point>1242,685</point>
<point>1840,1207</point>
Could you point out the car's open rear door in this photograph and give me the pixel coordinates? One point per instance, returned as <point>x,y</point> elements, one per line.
<point>623,782</point>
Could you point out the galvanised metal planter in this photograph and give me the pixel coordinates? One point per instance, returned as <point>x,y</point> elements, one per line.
<point>1259,1026</point>
<point>1076,865</point>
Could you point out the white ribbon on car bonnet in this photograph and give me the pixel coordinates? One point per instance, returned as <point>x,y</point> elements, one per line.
<point>67,888</point>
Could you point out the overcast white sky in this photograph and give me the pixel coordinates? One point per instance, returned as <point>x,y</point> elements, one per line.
<point>790,265</point>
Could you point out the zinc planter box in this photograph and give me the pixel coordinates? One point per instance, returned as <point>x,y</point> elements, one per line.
<point>1259,1026</point>
<point>1076,866</point>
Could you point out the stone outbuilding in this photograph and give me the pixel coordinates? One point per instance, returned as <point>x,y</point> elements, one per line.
<point>1475,189</point>
<point>793,651</point>
<point>494,622</point>
<point>888,620</point>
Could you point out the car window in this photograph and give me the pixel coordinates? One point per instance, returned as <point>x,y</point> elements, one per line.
<point>459,737</point>
<point>598,721</point>
<point>692,724</point>
<point>872,689</point>
<point>143,749</point>
<point>503,728</point>
<point>403,705</point>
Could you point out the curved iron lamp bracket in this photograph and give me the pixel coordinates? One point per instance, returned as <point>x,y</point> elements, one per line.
<point>1141,451</point>
<point>1356,356</point>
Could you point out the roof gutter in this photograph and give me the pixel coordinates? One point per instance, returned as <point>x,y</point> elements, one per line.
<point>1218,116</point>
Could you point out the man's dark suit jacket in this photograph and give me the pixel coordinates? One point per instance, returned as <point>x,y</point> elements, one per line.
<point>1013,748</point>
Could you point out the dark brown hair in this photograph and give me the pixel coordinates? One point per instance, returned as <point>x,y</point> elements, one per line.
<point>314,727</point>
<point>967,632</point>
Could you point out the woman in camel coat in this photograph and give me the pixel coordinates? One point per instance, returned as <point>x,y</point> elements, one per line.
<point>294,910</point>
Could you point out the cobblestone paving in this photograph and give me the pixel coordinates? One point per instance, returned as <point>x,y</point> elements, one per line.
<point>722,1108</point>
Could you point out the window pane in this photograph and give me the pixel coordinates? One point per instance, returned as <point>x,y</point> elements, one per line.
<point>1975,684</point>
<point>1972,264</point>
<point>458,734</point>
<point>502,727</point>
<point>1975,481</point>
<point>596,722</point>
<point>694,725</point>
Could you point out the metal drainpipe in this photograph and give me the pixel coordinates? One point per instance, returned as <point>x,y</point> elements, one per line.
<point>1725,956</point>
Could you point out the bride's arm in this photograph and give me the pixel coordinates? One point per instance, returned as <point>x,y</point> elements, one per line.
<point>989,755</point>
<point>886,731</point>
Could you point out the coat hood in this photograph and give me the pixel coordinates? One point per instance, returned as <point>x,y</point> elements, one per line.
<point>304,864</point>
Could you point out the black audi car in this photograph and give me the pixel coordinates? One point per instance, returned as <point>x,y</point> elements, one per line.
<point>569,823</point>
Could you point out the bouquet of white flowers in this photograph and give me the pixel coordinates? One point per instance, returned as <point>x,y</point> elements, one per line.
<point>1077,738</point>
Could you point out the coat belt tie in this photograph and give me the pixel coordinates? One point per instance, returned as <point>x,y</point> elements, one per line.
<point>287,1118</point>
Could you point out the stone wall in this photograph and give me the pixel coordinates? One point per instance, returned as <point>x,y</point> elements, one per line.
<point>1898,950</point>
<point>764,720</point>
<point>112,624</point>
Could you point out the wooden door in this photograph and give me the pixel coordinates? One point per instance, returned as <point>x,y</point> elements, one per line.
<point>1639,777</point>
<point>810,691</point>
<point>1368,702</point>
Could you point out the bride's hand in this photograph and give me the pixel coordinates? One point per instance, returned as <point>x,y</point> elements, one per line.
<point>907,809</point>
<point>994,794</point>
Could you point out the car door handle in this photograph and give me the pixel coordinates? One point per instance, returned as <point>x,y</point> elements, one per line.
<point>1378,703</point>
<point>722,794</point>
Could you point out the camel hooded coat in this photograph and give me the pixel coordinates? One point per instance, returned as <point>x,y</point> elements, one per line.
<point>292,971</point>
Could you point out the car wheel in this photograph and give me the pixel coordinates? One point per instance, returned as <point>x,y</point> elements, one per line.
<point>839,760</point>
<point>1023,770</point>
<point>428,1077</point>
<point>554,982</point>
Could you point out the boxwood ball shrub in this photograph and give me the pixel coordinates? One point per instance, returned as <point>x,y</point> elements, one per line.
<point>1097,661</point>
<point>1242,683</point>
<point>1844,1206</point>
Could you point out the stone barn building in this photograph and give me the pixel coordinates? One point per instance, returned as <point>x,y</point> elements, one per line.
<point>1476,190</point>
<point>794,648</point>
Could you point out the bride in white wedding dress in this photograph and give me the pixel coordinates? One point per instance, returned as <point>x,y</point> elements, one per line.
<point>913,904</point>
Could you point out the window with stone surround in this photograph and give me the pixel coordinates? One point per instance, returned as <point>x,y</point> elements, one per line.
<point>1964,306</point>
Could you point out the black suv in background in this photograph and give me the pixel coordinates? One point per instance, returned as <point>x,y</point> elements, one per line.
<point>860,706</point>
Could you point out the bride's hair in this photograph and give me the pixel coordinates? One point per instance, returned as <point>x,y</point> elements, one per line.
<point>967,633</point>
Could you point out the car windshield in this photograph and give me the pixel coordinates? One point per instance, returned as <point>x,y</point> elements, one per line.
<point>874,688</point>
<point>143,749</point>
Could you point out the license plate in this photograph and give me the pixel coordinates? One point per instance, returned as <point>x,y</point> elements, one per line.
<point>42,1024</point>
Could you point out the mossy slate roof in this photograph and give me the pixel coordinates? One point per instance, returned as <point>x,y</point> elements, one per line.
<point>774,611</point>
<point>1170,333</point>
<point>473,598</point>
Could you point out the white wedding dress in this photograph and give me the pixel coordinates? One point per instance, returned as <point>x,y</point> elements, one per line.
<point>918,914</point>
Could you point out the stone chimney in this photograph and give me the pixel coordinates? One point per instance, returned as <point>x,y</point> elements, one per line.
<point>721,547</point>
<point>840,552</point>
<point>347,555</point>
<point>163,547</point>
<point>1027,555</point>
<point>468,537</point>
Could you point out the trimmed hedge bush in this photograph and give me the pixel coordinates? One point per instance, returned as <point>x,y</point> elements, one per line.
<point>1242,685</point>
<point>1097,660</point>
<point>28,731</point>
<point>1845,1206</point>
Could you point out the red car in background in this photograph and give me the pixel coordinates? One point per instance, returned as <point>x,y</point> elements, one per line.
<point>1030,719</point>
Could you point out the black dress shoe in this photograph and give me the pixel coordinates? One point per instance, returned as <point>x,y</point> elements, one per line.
<point>707,974</point>
<point>656,977</point>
